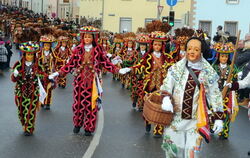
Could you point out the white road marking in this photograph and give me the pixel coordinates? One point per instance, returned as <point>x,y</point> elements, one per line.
<point>97,136</point>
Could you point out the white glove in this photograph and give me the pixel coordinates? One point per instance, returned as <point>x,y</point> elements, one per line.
<point>218,126</point>
<point>240,75</point>
<point>124,70</point>
<point>109,55</point>
<point>114,62</point>
<point>53,75</point>
<point>166,104</point>
<point>229,85</point>
<point>119,61</point>
<point>15,73</point>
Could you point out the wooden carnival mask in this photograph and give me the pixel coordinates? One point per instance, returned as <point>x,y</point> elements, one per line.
<point>157,45</point>
<point>223,58</point>
<point>88,38</point>
<point>29,57</point>
<point>194,50</point>
<point>46,46</point>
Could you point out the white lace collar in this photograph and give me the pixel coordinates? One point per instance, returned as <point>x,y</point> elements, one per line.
<point>143,52</point>
<point>130,49</point>
<point>157,54</point>
<point>28,63</point>
<point>223,66</point>
<point>62,48</point>
<point>46,52</point>
<point>88,47</point>
<point>196,65</point>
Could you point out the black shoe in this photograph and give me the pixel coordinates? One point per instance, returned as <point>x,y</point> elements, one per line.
<point>123,85</point>
<point>222,137</point>
<point>140,109</point>
<point>42,105</point>
<point>134,105</point>
<point>47,107</point>
<point>27,133</point>
<point>248,153</point>
<point>157,135</point>
<point>76,129</point>
<point>88,133</point>
<point>148,128</point>
<point>63,87</point>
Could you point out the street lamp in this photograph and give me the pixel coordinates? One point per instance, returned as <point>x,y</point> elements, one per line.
<point>102,13</point>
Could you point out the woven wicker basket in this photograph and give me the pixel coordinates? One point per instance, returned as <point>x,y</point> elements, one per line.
<point>152,110</point>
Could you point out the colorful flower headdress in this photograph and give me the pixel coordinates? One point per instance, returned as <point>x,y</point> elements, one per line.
<point>31,47</point>
<point>183,34</point>
<point>226,48</point>
<point>143,38</point>
<point>118,38</point>
<point>47,38</point>
<point>89,29</point>
<point>158,30</point>
<point>63,38</point>
<point>159,36</point>
<point>129,36</point>
<point>104,35</point>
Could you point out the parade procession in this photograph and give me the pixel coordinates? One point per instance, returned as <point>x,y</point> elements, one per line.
<point>174,86</point>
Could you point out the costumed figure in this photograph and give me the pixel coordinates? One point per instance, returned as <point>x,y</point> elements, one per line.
<point>222,67</point>
<point>61,55</point>
<point>137,91</point>
<point>75,41</point>
<point>154,65</point>
<point>191,82</point>
<point>116,53</point>
<point>181,35</point>
<point>104,43</point>
<point>86,62</point>
<point>47,41</point>
<point>129,57</point>
<point>27,74</point>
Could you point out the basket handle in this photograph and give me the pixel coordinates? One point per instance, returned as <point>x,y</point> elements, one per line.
<point>161,92</point>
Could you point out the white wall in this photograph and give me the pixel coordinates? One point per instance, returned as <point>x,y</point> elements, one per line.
<point>218,11</point>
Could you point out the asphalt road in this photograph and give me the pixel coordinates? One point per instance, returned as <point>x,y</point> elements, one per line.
<point>123,129</point>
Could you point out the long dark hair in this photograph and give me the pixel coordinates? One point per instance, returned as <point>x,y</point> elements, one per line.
<point>138,48</point>
<point>217,62</point>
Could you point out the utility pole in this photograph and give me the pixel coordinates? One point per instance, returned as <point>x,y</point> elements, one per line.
<point>57,1</point>
<point>158,11</point>
<point>72,10</point>
<point>102,13</point>
<point>42,6</point>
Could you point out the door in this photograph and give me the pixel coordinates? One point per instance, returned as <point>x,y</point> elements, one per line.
<point>125,25</point>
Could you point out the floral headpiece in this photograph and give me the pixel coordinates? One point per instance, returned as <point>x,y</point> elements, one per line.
<point>143,38</point>
<point>159,36</point>
<point>89,29</point>
<point>63,39</point>
<point>31,47</point>
<point>225,48</point>
<point>47,38</point>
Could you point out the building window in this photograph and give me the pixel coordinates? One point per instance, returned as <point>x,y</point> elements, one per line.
<point>231,27</point>
<point>125,25</point>
<point>206,26</point>
<point>149,20</point>
<point>232,1</point>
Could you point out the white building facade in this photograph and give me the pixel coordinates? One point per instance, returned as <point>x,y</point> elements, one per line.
<point>232,15</point>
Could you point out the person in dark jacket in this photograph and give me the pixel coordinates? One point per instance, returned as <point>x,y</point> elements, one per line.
<point>8,46</point>
<point>243,62</point>
<point>3,57</point>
